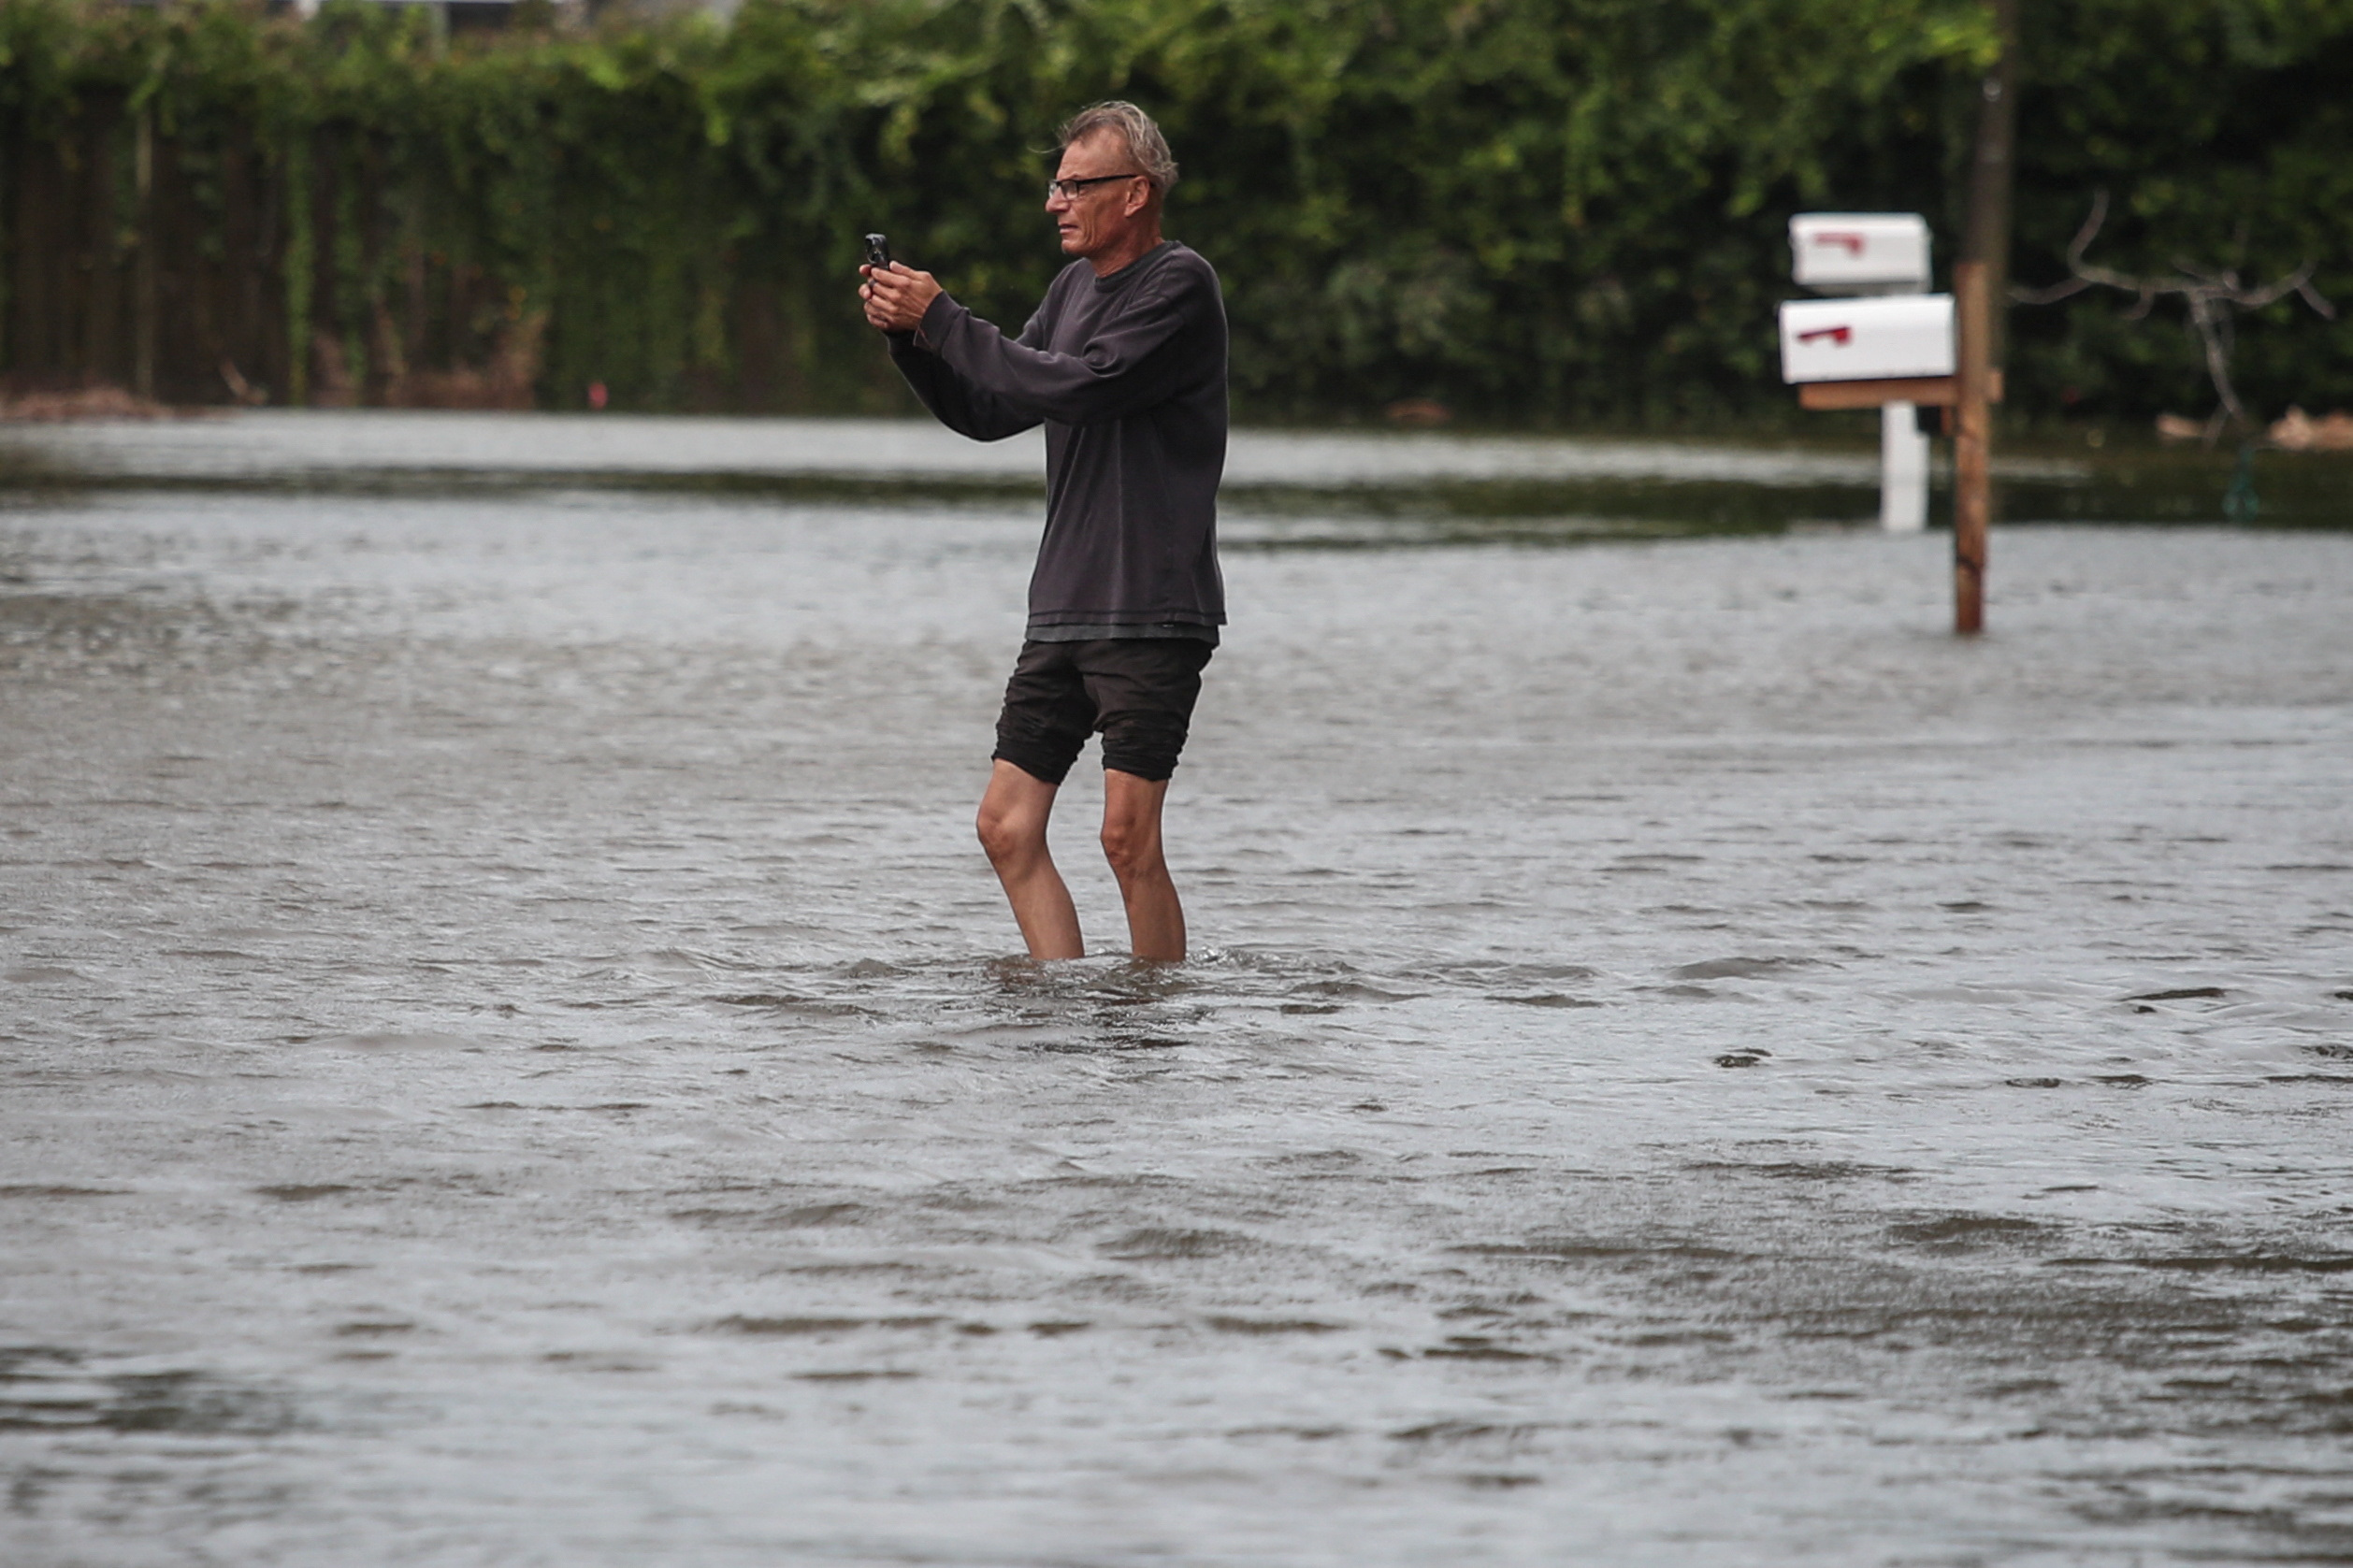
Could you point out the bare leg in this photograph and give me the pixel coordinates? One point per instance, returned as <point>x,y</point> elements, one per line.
<point>1131,842</point>
<point>1013,816</point>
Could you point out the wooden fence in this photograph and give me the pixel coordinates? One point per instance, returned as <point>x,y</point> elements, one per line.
<point>216,268</point>
<point>131,259</point>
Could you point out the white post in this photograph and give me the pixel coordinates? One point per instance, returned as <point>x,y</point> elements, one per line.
<point>1904,470</point>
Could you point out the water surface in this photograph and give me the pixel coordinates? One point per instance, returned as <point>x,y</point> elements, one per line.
<point>511,1056</point>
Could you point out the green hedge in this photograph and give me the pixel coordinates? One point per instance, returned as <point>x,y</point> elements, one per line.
<point>1534,210</point>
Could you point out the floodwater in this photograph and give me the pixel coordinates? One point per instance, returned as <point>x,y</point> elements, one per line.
<point>509,1056</point>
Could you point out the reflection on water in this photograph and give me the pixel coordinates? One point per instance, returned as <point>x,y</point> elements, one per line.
<point>281,446</point>
<point>508,1054</point>
<point>1329,487</point>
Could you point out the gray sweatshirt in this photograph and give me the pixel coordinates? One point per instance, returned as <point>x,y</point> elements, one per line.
<point>1127,373</point>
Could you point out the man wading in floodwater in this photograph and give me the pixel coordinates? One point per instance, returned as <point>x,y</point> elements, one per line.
<point>1124,365</point>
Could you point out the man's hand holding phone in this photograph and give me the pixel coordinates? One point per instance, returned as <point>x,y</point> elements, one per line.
<point>895,294</point>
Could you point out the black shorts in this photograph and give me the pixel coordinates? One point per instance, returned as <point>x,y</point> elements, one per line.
<point>1139,691</point>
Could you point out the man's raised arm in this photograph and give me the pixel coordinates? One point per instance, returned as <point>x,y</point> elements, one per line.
<point>894,302</point>
<point>1135,362</point>
<point>954,401</point>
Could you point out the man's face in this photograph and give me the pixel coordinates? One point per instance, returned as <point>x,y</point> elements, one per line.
<point>1099,218</point>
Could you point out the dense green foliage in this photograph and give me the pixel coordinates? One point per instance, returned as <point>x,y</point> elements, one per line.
<point>1536,210</point>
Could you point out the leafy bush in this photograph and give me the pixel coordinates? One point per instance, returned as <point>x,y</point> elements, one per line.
<point>1534,210</point>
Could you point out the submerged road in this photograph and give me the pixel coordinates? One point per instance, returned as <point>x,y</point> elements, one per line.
<point>509,1055</point>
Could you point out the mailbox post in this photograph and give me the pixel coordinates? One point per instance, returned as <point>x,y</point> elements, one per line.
<point>1889,342</point>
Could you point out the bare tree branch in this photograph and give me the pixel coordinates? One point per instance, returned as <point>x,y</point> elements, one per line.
<point>2210,296</point>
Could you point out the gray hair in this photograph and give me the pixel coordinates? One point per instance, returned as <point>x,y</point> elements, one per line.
<point>1146,144</point>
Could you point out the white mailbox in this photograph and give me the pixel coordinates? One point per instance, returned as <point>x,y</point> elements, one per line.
<point>1892,337</point>
<point>1860,253</point>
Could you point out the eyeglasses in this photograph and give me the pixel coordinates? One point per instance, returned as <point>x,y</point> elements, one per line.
<point>1068,189</point>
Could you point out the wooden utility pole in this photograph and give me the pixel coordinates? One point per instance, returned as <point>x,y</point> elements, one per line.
<point>1973,446</point>
<point>1981,288</point>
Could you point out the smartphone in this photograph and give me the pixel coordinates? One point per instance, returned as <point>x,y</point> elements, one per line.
<point>878,252</point>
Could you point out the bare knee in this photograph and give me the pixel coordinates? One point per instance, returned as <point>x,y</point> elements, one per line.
<point>1005,836</point>
<point>1132,850</point>
<point>1012,819</point>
